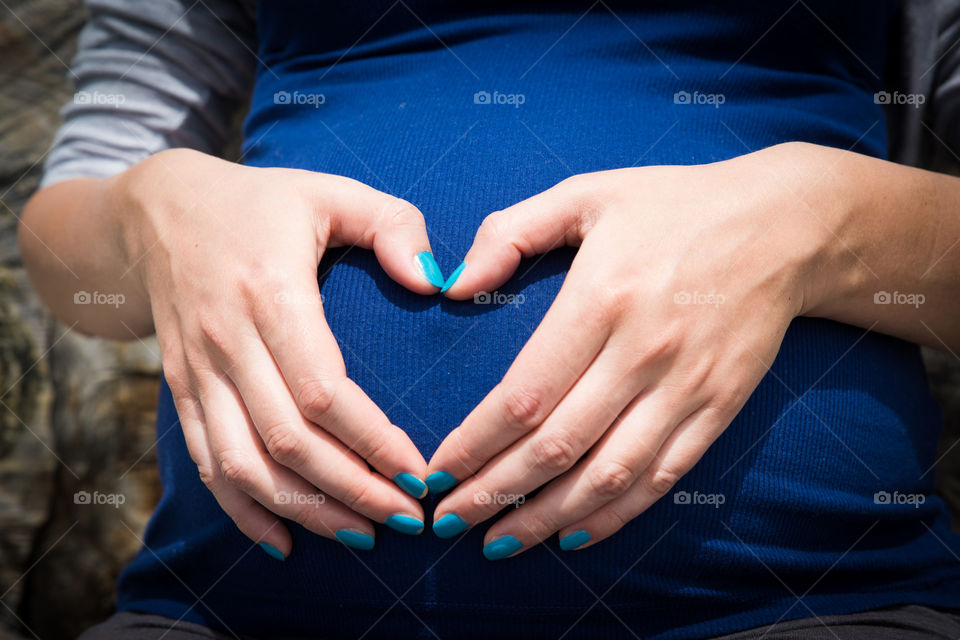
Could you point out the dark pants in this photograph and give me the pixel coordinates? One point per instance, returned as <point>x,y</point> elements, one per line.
<point>910,622</point>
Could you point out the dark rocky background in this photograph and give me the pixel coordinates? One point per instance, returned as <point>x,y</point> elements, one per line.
<point>76,413</point>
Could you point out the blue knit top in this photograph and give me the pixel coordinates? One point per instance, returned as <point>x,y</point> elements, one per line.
<point>464,108</point>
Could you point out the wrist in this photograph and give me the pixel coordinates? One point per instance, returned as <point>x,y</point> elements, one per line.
<point>821,201</point>
<point>143,200</point>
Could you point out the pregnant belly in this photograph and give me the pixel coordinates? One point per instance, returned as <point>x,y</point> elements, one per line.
<point>427,361</point>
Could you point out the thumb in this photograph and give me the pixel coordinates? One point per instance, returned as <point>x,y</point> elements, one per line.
<point>549,220</point>
<point>357,214</point>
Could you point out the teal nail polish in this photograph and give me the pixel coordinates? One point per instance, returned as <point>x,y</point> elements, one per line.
<point>501,548</point>
<point>440,481</point>
<point>411,484</point>
<point>355,539</point>
<point>431,270</point>
<point>449,526</point>
<point>272,551</point>
<point>453,277</point>
<point>574,540</point>
<point>405,524</point>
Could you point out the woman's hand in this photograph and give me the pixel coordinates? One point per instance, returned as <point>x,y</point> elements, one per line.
<point>228,256</point>
<point>674,308</point>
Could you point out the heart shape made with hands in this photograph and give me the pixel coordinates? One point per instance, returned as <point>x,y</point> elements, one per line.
<point>610,403</point>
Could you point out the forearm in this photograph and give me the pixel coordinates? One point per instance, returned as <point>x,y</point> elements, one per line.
<point>72,246</point>
<point>891,254</point>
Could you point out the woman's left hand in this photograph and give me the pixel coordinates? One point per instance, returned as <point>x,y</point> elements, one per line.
<point>673,310</point>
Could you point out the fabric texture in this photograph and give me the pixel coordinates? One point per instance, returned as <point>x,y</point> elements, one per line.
<point>421,99</point>
<point>434,114</point>
<point>181,86</point>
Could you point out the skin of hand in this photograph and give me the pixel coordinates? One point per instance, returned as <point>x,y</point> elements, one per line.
<point>674,308</point>
<point>223,260</point>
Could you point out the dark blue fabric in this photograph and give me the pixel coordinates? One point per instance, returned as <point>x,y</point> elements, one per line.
<point>799,476</point>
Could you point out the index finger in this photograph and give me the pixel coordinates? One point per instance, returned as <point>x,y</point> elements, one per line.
<point>568,339</point>
<point>310,361</point>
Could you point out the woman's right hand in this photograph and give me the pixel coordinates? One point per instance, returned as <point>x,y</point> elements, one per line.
<point>228,255</point>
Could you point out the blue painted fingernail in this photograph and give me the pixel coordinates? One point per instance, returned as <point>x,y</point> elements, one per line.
<point>405,524</point>
<point>355,539</point>
<point>272,551</point>
<point>440,481</point>
<point>449,526</point>
<point>453,277</point>
<point>501,548</point>
<point>411,484</point>
<point>574,540</point>
<point>430,268</point>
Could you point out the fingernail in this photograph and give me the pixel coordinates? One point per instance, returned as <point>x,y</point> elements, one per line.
<point>405,524</point>
<point>453,277</point>
<point>355,539</point>
<point>501,548</point>
<point>272,551</point>
<point>431,270</point>
<point>411,484</point>
<point>449,526</point>
<point>440,481</point>
<point>574,540</point>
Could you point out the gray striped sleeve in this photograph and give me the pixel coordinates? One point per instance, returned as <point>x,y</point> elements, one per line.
<point>152,75</point>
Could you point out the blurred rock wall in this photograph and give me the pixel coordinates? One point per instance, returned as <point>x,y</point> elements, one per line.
<point>77,414</point>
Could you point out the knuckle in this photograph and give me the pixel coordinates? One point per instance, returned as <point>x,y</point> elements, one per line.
<point>524,407</point>
<point>697,374</point>
<point>661,348</point>
<point>554,453</point>
<point>463,453</point>
<point>662,479</point>
<point>611,479</point>
<point>213,334</point>
<point>584,191</point>
<point>372,446</point>
<point>316,397</point>
<point>305,516</point>
<point>611,301</point>
<point>207,475</point>
<point>540,524</point>
<point>286,446</point>
<point>729,400</point>
<point>357,497</point>
<point>614,520</point>
<point>493,226</point>
<point>259,277</point>
<point>179,383</point>
<point>572,184</point>
<point>404,214</point>
<point>236,469</point>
